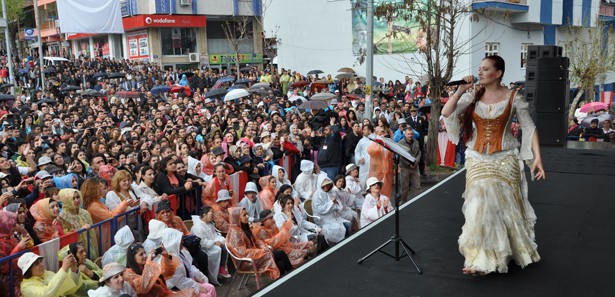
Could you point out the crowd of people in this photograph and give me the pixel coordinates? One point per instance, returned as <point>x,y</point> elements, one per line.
<point>103,137</point>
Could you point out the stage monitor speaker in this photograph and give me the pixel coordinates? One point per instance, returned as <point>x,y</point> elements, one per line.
<point>551,128</point>
<point>548,96</point>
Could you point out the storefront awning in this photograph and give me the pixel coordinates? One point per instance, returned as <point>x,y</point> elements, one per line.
<point>158,21</point>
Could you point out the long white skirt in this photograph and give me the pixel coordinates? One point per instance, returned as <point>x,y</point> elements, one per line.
<point>499,220</point>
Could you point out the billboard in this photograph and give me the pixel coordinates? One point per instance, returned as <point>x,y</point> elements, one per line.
<point>397,36</point>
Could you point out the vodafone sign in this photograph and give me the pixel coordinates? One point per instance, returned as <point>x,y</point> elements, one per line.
<point>153,21</point>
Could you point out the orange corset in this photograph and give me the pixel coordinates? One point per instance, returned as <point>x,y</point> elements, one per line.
<point>489,132</point>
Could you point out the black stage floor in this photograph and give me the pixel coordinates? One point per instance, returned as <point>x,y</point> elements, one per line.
<point>575,207</point>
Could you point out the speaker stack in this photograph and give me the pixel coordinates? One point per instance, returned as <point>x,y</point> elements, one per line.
<point>547,91</point>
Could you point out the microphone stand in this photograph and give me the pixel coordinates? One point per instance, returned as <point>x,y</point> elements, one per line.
<point>396,238</point>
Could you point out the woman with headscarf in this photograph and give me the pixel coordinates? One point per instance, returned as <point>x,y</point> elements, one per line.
<point>19,207</point>
<point>242,243</point>
<point>40,282</point>
<point>186,275</point>
<point>117,253</point>
<point>68,181</point>
<point>46,212</point>
<point>326,206</point>
<point>268,191</point>
<point>195,167</point>
<point>146,276</point>
<point>75,218</point>
<point>10,245</point>
<point>279,238</point>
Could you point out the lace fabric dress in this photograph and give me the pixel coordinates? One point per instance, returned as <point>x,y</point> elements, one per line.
<point>499,220</point>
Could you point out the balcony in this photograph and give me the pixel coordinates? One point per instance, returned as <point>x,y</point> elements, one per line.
<point>510,6</point>
<point>607,11</point>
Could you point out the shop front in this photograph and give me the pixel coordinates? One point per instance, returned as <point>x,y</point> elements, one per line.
<point>103,46</point>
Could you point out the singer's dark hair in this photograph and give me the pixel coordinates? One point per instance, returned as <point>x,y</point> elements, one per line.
<point>466,122</point>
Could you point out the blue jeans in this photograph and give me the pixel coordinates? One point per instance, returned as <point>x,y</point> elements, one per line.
<point>330,171</point>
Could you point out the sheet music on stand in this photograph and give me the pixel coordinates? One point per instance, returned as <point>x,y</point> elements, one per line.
<point>394,146</point>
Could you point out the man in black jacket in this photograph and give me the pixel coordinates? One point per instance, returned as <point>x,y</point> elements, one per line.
<point>329,149</point>
<point>419,124</point>
<point>350,142</point>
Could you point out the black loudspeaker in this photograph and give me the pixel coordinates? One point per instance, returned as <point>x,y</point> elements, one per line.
<point>551,127</point>
<point>543,51</point>
<point>545,75</point>
<point>548,96</point>
<point>552,63</point>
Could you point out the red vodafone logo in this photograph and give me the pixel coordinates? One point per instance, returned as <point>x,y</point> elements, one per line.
<point>148,20</point>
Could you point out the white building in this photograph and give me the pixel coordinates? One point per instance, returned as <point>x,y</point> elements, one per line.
<point>318,34</point>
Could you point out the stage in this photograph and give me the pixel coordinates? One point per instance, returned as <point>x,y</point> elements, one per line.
<point>575,207</point>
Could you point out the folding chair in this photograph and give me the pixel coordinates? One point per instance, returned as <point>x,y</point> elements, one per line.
<point>244,267</point>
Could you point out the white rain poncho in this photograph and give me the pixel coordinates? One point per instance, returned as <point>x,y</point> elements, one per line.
<point>182,279</point>
<point>208,235</point>
<point>331,220</point>
<point>154,238</point>
<point>117,253</point>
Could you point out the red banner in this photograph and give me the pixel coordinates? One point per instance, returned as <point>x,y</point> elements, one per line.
<point>156,21</point>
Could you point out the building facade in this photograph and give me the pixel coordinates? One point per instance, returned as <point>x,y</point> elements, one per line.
<point>504,27</point>
<point>173,33</point>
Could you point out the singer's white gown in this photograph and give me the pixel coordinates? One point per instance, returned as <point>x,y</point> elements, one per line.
<point>499,220</point>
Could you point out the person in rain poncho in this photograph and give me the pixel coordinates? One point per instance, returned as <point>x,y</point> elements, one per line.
<point>339,188</point>
<point>268,191</point>
<point>354,187</point>
<point>154,238</point>
<point>117,253</point>
<point>375,204</point>
<point>113,283</point>
<point>251,202</point>
<point>305,184</point>
<point>361,157</point>
<point>89,272</point>
<point>211,243</point>
<point>74,218</point>
<point>40,282</point>
<point>46,212</point>
<point>186,276</point>
<point>282,179</point>
<point>184,81</point>
<point>242,243</point>
<point>68,181</point>
<point>328,208</point>
<point>195,167</point>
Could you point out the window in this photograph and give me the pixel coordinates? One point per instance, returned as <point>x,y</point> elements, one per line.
<point>492,48</point>
<point>524,47</point>
<point>178,41</point>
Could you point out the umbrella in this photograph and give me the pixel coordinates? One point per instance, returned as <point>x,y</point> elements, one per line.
<point>22,71</point>
<point>377,84</point>
<point>426,108</point>
<point>245,69</point>
<point>117,75</point>
<point>237,86</point>
<point>70,88</point>
<point>315,72</point>
<point>318,86</point>
<point>352,96</point>
<point>6,85</point>
<point>589,107</point>
<point>346,70</point>
<point>299,84</point>
<point>344,75</point>
<point>49,70</point>
<point>242,81</point>
<point>313,105</point>
<point>6,97</point>
<point>160,89</point>
<point>225,80</point>
<point>586,122</point>
<point>216,93</point>
<point>93,93</point>
<point>128,94</point>
<point>236,94</point>
<point>260,91</point>
<point>261,85</point>
<point>178,89</point>
<point>322,96</point>
<point>47,100</point>
<point>295,98</point>
<point>100,75</point>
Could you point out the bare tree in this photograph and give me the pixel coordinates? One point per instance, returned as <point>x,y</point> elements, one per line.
<point>439,48</point>
<point>592,56</point>
<point>236,30</point>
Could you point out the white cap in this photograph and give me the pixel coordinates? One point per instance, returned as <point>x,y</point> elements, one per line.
<point>223,195</point>
<point>43,174</point>
<point>44,160</point>
<point>372,181</point>
<point>26,260</point>
<point>110,270</point>
<point>251,187</point>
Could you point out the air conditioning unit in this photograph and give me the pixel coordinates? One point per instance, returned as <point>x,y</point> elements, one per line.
<point>185,2</point>
<point>193,57</point>
<point>57,23</point>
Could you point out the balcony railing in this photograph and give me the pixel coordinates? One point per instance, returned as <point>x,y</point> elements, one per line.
<point>512,6</point>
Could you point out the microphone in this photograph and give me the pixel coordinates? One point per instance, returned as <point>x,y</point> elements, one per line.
<point>460,82</point>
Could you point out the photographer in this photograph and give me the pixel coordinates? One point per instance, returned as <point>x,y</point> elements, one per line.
<point>329,143</point>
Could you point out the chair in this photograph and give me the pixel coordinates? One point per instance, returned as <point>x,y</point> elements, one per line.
<point>98,262</point>
<point>307,205</point>
<point>243,271</point>
<point>188,224</point>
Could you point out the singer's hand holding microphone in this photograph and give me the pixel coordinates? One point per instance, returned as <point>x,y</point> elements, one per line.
<point>464,84</point>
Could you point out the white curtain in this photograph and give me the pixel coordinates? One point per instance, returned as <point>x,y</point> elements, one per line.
<point>90,16</point>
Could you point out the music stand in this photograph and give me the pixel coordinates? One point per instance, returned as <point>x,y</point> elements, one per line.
<point>399,152</point>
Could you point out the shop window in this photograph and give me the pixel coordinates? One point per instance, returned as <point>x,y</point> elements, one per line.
<point>178,41</point>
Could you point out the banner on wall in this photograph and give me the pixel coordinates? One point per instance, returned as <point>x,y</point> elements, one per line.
<point>217,59</point>
<point>90,16</point>
<point>138,45</point>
